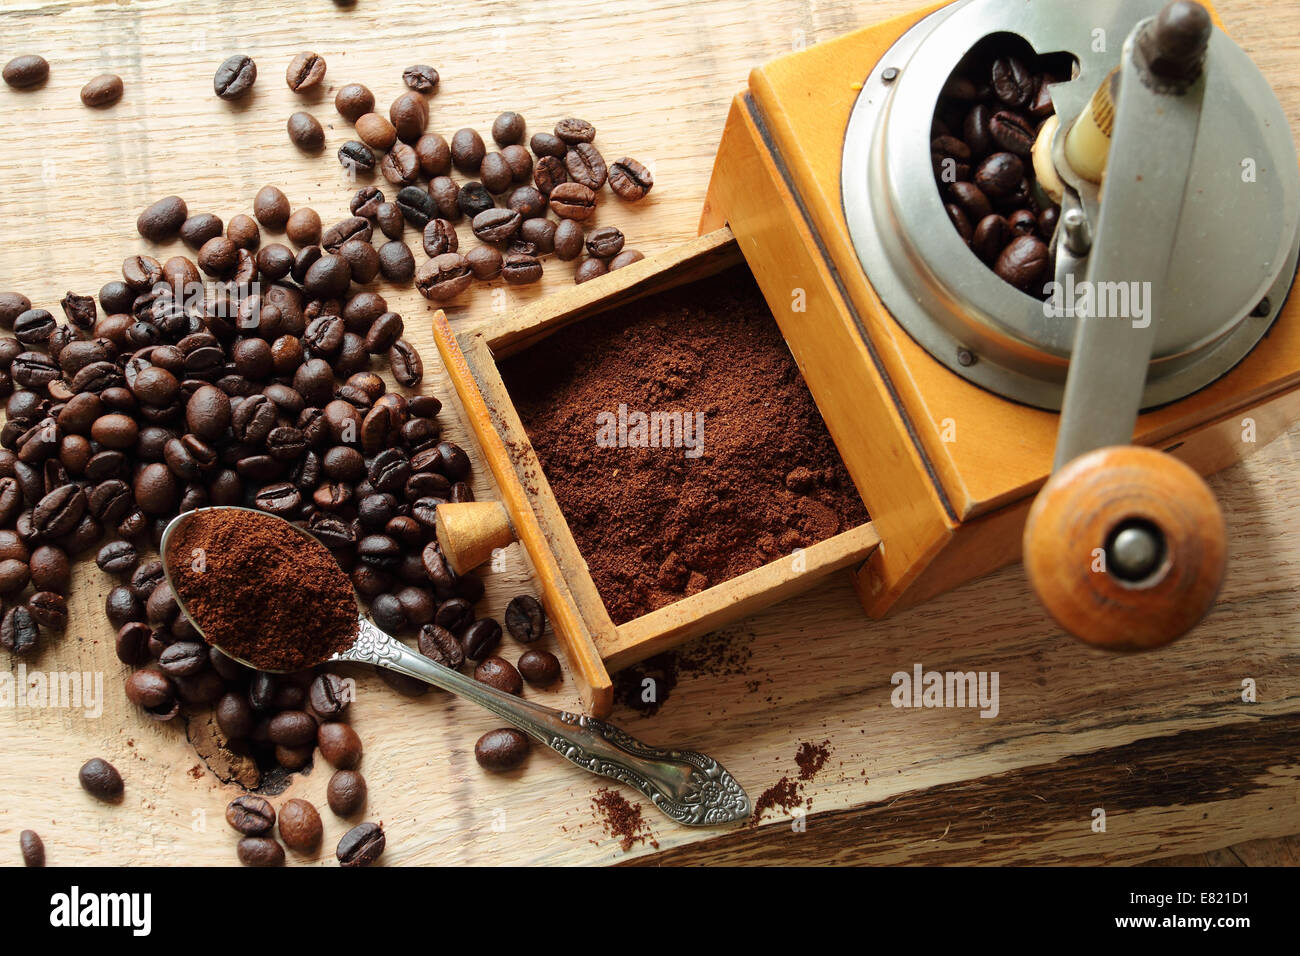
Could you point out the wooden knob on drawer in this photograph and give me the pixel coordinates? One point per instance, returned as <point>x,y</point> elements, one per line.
<point>1125,547</point>
<point>469,531</point>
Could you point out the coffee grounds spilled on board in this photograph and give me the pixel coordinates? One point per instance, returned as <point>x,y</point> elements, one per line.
<point>654,525</point>
<point>622,819</point>
<point>260,591</point>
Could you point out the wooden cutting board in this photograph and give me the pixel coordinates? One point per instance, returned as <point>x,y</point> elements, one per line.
<point>1163,743</point>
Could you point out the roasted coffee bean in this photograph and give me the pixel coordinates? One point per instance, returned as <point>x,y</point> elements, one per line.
<point>421,78</point>
<point>528,201</point>
<point>1047,220</point>
<point>484,262</point>
<point>305,72</point>
<point>501,750</point>
<point>499,673</point>
<point>525,618</point>
<point>520,269</point>
<point>1024,263</point>
<point>355,155</point>
<point>304,227</point>
<point>1023,222</point>
<point>300,826</point>
<point>454,615</point>
<point>100,779</point>
<point>384,333</point>
<point>434,155</point>
<point>361,846</point>
<point>362,259</point>
<point>481,638</point>
<point>410,115</point>
<point>573,131</point>
<point>154,693</point>
<point>473,199</point>
<point>328,277</point>
<point>118,558</point>
<point>259,851</point>
<point>141,272</point>
<point>959,220</point>
<point>625,258</point>
<point>250,815</point>
<point>346,793</point>
<point>132,643</point>
<point>219,257</point>
<point>292,728</point>
<point>19,632</point>
<point>353,227</point>
<point>26,71</point>
<point>440,645</point>
<point>548,144</point>
<point>184,658</point>
<point>194,231</point>
<point>162,220</point>
<point>400,165</point>
<point>1012,132</point>
<point>354,101</point>
<point>390,219</point>
<point>418,206</point>
<point>1012,83</point>
<point>605,242</point>
<point>585,165</point>
<point>243,232</point>
<point>630,180</point>
<point>549,172</point>
<point>376,131</point>
<point>271,207</point>
<point>49,569</point>
<point>1000,175</point>
<point>467,151</point>
<point>329,696</point>
<point>951,159</point>
<point>540,233</point>
<point>572,201</point>
<point>539,668</point>
<point>443,277</point>
<point>976,131</point>
<point>569,239</point>
<point>590,269</point>
<point>34,327</point>
<point>32,848</point>
<point>339,745</point>
<point>58,512</point>
<point>496,225</point>
<point>508,129</point>
<point>496,173</point>
<point>440,237</point>
<point>234,77</point>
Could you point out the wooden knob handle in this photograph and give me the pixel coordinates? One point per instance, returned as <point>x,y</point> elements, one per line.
<point>469,531</point>
<point>1125,547</point>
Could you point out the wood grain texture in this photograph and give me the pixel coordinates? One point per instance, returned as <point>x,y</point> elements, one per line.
<point>657,80</point>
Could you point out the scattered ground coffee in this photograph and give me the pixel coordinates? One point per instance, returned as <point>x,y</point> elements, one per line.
<point>260,591</point>
<point>656,524</point>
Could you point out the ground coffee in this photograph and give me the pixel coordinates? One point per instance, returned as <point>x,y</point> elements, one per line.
<point>657,524</point>
<point>260,591</point>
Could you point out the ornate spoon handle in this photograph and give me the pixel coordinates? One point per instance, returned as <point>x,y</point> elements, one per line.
<point>692,788</point>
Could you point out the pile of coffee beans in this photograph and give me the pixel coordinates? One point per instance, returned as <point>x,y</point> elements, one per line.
<point>985,126</point>
<point>300,829</point>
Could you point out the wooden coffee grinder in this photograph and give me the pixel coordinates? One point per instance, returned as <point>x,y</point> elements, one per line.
<point>969,417</point>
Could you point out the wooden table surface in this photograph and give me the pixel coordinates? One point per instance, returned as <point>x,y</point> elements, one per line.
<point>1163,743</point>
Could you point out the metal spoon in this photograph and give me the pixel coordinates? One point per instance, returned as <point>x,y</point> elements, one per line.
<point>691,788</point>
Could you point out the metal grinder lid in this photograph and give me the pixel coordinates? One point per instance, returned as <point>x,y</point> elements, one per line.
<point>1237,241</point>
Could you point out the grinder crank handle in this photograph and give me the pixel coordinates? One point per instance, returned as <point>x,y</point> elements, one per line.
<point>1125,546</point>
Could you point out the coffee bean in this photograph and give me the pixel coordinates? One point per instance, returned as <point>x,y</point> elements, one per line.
<point>440,645</point>
<point>404,361</point>
<point>49,568</point>
<point>501,750</point>
<point>959,220</point>
<point>339,745</point>
<point>484,262</point>
<point>34,327</point>
<point>521,269</point>
<point>1013,84</point>
<point>467,151</point>
<point>605,242</point>
<point>481,638</point>
<point>329,696</point>
<point>354,155</point>
<point>396,262</point>
<point>259,851</point>
<point>162,220</point>
<point>354,101</point>
<point>443,277</point>
<point>569,239</point>
<point>234,77</point>
<point>1013,132</point>
<point>585,165</point>
<point>419,206</point>
<point>421,78</point>
<point>496,173</point>
<point>1023,222</point>
<point>118,558</point>
<point>19,632</point>
<point>540,233</point>
<point>572,201</point>
<point>625,258</point>
<point>346,793</point>
<point>630,180</point>
<point>100,779</point>
<point>194,231</point>
<point>400,165</point>
<point>361,846</point>
<point>104,90</point>
<point>1024,263</point>
<point>950,158</point>
<point>1047,220</point>
<point>410,115</point>
<point>271,207</point>
<point>13,305</point>
<point>976,131</point>
<point>473,199</point>
<point>1000,175</point>
<point>434,155</point>
<point>26,71</point>
<point>440,237</point>
<point>496,225</point>
<point>32,848</point>
<point>376,131</point>
<point>499,673</point>
<point>305,72</point>
<point>549,172</point>
<point>250,815</point>
<point>300,826</point>
<point>573,131</point>
<point>525,618</point>
<point>304,227</point>
<point>590,269</point>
